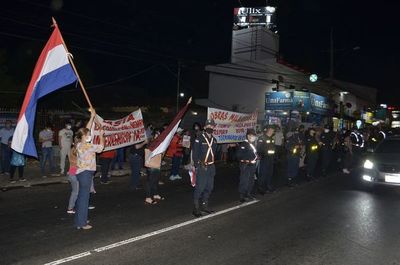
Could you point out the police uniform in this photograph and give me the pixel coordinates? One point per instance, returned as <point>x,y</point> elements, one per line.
<point>247,155</point>
<point>266,150</point>
<point>326,139</point>
<point>203,154</point>
<point>293,147</point>
<point>312,154</point>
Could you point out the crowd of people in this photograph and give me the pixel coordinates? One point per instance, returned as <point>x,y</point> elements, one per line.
<point>299,150</point>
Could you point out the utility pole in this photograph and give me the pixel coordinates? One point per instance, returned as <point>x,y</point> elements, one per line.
<point>178,83</point>
<point>331,72</point>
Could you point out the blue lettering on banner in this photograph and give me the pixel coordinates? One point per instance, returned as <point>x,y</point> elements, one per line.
<point>230,138</point>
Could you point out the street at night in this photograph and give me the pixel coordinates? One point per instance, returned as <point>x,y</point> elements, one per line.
<point>332,221</point>
<point>241,132</point>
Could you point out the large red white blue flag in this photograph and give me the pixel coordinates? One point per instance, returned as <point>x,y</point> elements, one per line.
<point>52,72</point>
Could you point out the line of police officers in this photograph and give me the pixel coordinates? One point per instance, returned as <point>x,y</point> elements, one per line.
<point>256,156</point>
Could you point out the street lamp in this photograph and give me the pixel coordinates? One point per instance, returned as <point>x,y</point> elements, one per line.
<point>182,95</point>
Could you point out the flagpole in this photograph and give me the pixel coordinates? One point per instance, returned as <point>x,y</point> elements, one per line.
<point>73,66</point>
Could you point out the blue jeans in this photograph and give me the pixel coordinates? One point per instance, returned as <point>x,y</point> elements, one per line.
<point>176,163</point>
<point>74,193</point>
<point>47,154</point>
<point>136,162</point>
<point>85,179</point>
<point>119,158</point>
<point>5,158</point>
<point>151,186</point>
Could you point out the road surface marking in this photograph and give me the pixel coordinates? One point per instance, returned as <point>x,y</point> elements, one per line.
<point>151,234</point>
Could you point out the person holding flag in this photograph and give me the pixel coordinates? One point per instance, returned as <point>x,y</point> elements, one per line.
<point>86,163</point>
<point>203,153</point>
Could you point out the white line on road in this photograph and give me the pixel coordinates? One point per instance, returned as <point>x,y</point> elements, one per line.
<point>151,234</point>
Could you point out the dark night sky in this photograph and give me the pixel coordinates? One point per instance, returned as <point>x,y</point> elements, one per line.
<point>116,39</point>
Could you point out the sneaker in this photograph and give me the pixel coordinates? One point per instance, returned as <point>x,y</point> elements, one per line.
<point>86,227</point>
<point>161,183</point>
<point>346,171</point>
<point>22,180</point>
<point>91,207</point>
<point>55,175</point>
<point>44,177</point>
<point>105,182</point>
<point>177,177</point>
<point>172,178</point>
<point>70,211</point>
<point>12,181</point>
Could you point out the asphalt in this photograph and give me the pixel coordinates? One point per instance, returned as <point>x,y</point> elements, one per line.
<point>332,221</point>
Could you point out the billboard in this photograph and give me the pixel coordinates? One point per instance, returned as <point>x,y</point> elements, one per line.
<point>301,101</point>
<point>319,104</point>
<point>253,16</point>
<point>278,100</point>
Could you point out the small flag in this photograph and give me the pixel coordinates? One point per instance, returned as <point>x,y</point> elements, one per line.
<point>160,145</point>
<point>52,72</point>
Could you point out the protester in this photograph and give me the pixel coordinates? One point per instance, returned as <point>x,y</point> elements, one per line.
<point>86,162</point>
<point>136,160</point>
<point>186,144</point>
<point>175,151</point>
<point>17,161</point>
<point>105,159</point>
<point>152,180</point>
<point>149,130</point>
<point>74,181</point>
<point>46,138</point>
<point>293,147</point>
<point>5,134</point>
<point>119,159</point>
<point>65,137</point>
<point>204,149</point>
<point>248,156</point>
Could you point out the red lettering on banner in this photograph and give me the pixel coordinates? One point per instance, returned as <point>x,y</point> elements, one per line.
<point>219,115</point>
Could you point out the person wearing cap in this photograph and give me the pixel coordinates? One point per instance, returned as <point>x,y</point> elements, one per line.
<point>203,154</point>
<point>312,153</point>
<point>326,141</point>
<point>248,156</point>
<point>266,150</point>
<point>293,147</point>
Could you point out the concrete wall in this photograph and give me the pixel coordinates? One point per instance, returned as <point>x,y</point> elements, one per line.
<point>245,94</point>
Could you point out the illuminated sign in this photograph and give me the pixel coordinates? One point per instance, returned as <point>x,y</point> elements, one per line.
<point>253,16</point>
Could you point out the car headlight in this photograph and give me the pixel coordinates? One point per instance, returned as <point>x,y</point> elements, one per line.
<point>368,164</point>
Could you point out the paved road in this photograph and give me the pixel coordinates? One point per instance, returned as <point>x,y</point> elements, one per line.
<point>332,221</point>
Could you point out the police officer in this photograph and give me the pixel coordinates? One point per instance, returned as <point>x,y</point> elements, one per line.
<point>266,150</point>
<point>293,148</point>
<point>326,142</point>
<point>247,155</point>
<point>357,141</point>
<point>203,153</point>
<point>312,148</point>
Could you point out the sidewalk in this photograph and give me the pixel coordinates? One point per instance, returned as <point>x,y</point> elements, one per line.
<point>34,177</point>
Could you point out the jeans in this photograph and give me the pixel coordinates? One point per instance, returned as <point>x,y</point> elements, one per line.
<point>5,158</point>
<point>136,162</point>
<point>119,158</point>
<point>47,154</point>
<point>105,167</point>
<point>151,187</point>
<point>292,167</point>
<point>20,171</point>
<point>85,180</point>
<point>246,184</point>
<point>74,193</point>
<point>176,163</point>
<point>204,183</point>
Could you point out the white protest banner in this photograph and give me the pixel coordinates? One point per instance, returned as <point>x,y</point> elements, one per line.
<point>231,126</point>
<point>120,133</point>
